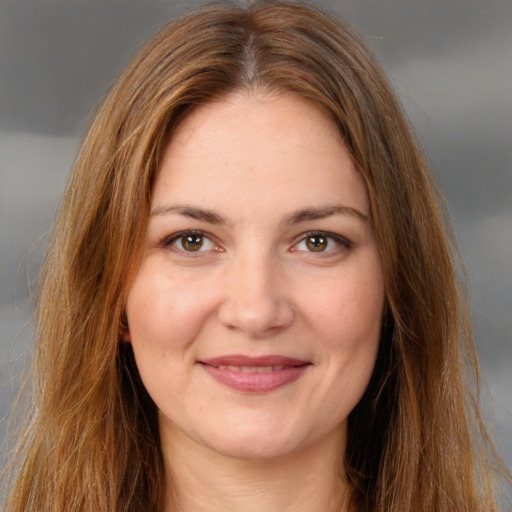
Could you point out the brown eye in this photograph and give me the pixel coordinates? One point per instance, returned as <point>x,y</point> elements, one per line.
<point>316,243</point>
<point>189,242</point>
<point>192,242</point>
<point>323,243</point>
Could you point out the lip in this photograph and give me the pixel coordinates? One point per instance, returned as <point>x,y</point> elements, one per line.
<point>255,374</point>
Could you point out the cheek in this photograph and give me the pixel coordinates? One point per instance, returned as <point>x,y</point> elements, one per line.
<point>161,305</point>
<point>145,308</point>
<point>347,318</point>
<point>346,323</point>
<point>348,312</point>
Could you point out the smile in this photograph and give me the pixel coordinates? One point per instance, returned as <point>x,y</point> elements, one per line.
<point>255,375</point>
<point>252,369</point>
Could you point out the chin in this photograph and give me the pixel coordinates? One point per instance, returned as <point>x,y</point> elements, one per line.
<point>253,450</point>
<point>249,441</point>
<point>257,440</point>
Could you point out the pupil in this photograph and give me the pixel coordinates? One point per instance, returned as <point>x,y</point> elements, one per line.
<point>316,243</point>
<point>192,242</point>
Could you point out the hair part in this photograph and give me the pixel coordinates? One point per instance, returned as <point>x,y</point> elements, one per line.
<point>92,442</point>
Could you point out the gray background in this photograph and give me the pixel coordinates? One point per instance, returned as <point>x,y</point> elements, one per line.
<point>450,61</point>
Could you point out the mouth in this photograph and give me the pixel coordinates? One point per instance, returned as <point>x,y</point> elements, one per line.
<point>255,374</point>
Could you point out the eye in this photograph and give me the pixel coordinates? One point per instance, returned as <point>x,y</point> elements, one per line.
<point>321,242</point>
<point>317,243</point>
<point>189,241</point>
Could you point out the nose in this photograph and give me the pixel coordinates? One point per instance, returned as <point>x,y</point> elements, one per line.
<point>255,299</point>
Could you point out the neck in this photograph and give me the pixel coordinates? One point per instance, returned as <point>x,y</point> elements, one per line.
<point>201,480</point>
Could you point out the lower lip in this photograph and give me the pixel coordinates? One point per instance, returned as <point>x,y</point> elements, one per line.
<point>254,382</point>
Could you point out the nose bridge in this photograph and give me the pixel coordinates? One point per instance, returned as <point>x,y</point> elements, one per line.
<point>255,301</point>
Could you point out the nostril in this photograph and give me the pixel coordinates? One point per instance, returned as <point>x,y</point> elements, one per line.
<point>257,319</point>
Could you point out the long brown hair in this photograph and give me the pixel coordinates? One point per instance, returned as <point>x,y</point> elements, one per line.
<point>91,443</point>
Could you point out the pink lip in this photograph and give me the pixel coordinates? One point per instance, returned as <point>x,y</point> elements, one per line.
<point>255,374</point>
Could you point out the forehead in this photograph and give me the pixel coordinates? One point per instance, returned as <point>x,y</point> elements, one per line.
<point>258,149</point>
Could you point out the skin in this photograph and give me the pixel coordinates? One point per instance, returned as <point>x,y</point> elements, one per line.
<point>262,180</point>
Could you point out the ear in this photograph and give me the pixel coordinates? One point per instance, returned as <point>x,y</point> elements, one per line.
<point>124,329</point>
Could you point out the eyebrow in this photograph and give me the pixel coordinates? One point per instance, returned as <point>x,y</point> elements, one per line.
<point>189,211</point>
<point>323,212</point>
<point>296,217</point>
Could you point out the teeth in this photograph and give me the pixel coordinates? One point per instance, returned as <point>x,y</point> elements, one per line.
<point>252,369</point>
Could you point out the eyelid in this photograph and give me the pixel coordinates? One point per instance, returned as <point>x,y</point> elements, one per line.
<point>338,239</point>
<point>168,241</point>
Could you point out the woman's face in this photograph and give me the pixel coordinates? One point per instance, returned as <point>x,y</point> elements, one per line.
<point>256,311</point>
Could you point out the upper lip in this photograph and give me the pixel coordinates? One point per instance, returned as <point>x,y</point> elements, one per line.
<point>252,361</point>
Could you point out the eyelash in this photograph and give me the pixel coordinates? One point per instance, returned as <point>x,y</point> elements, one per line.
<point>169,241</point>
<point>338,240</point>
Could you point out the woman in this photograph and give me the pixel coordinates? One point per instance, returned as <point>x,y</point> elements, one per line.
<point>249,301</point>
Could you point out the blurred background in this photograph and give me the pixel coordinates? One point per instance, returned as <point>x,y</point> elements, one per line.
<point>449,60</point>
